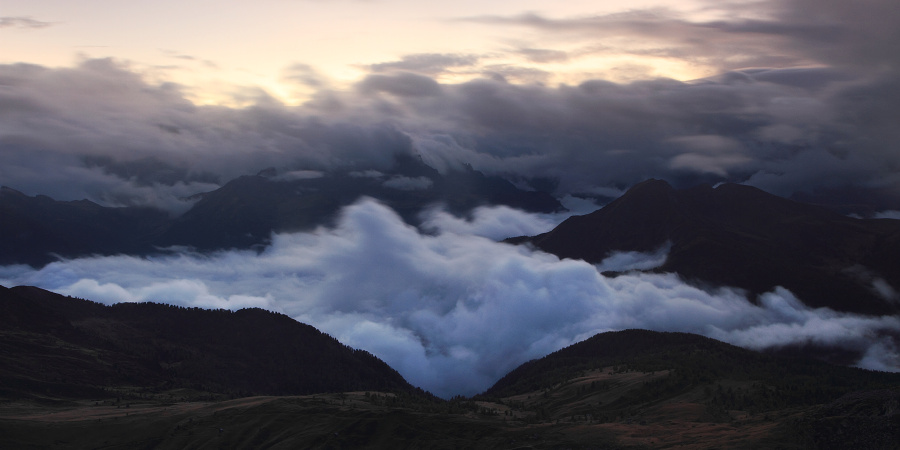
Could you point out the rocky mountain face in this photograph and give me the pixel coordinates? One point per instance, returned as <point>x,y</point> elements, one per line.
<point>740,236</point>
<point>244,212</point>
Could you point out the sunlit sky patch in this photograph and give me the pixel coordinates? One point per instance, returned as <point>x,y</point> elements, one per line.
<point>219,49</point>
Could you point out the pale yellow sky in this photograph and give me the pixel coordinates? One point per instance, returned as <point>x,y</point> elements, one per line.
<point>215,48</point>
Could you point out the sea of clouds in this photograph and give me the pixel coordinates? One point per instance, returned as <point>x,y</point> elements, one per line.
<point>450,307</point>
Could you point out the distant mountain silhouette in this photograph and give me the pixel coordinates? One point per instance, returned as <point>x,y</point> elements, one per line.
<point>33,229</point>
<point>61,347</point>
<point>244,212</point>
<point>734,235</point>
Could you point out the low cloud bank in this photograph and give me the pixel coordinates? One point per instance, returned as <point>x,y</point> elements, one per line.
<point>105,131</point>
<point>452,310</point>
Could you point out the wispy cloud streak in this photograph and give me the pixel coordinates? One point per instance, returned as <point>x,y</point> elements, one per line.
<point>26,22</point>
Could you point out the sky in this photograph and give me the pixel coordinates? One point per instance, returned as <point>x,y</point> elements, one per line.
<point>219,46</point>
<point>796,97</point>
<point>126,103</point>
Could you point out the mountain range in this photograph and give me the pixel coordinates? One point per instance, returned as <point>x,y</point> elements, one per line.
<point>74,373</point>
<point>244,212</point>
<point>740,236</point>
<point>729,235</point>
<point>78,374</point>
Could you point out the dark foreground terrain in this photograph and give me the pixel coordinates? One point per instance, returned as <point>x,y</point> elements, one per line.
<point>550,418</point>
<point>77,374</point>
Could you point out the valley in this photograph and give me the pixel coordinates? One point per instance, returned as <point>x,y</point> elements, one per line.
<point>64,385</point>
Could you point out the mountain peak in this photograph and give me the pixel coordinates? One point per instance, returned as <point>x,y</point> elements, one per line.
<point>651,185</point>
<point>740,236</point>
<point>268,172</point>
<point>6,190</point>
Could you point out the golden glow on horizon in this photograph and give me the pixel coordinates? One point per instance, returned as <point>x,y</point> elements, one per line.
<point>221,50</point>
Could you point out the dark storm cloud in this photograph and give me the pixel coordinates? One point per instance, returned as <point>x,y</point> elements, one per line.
<point>662,33</point>
<point>862,34</point>
<point>786,130</point>
<point>23,22</point>
<point>788,32</point>
<point>815,111</point>
<point>69,132</point>
<point>601,133</point>
<point>401,84</point>
<point>827,124</point>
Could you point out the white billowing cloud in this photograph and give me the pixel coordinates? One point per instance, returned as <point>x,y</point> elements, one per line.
<point>451,310</point>
<point>495,222</point>
<point>791,322</point>
<point>714,164</point>
<point>625,261</point>
<point>884,289</point>
<point>890,214</point>
<point>708,154</point>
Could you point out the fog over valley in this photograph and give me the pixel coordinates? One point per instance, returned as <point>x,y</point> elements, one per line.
<point>410,178</point>
<point>452,310</point>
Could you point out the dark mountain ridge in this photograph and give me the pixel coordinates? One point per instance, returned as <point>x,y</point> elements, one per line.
<point>244,212</point>
<point>740,236</point>
<point>696,360</point>
<point>664,386</point>
<point>75,374</point>
<point>59,346</point>
<point>33,229</point>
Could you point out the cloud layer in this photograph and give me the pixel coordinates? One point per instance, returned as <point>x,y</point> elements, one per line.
<point>452,310</point>
<point>111,137</point>
<point>804,103</point>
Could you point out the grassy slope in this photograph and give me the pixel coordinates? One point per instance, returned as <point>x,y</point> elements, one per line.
<point>55,347</point>
<point>630,389</point>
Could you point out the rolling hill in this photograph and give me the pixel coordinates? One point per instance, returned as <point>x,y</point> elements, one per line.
<point>56,347</point>
<point>77,374</point>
